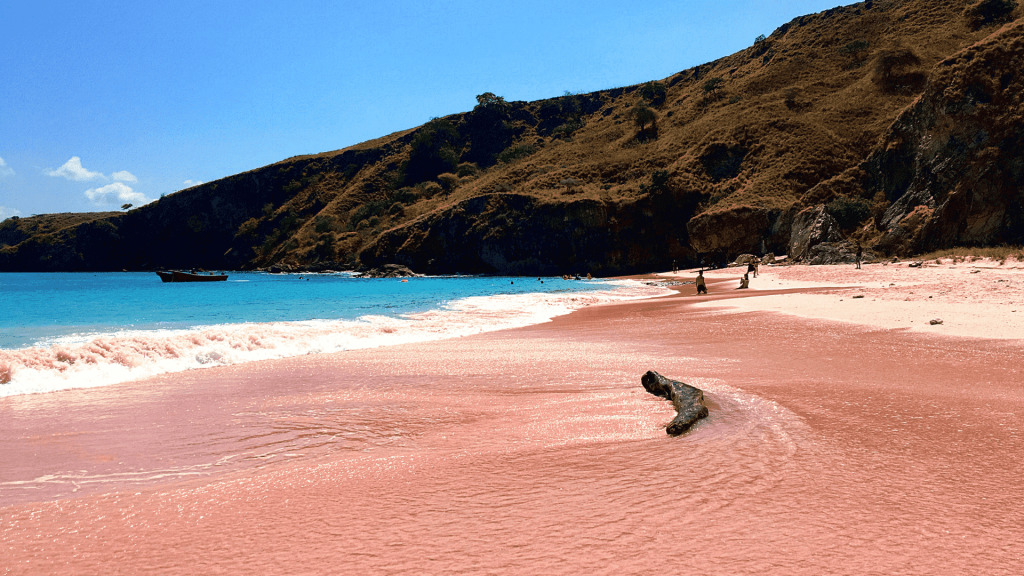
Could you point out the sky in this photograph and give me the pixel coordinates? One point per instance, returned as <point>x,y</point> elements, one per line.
<point>108,103</point>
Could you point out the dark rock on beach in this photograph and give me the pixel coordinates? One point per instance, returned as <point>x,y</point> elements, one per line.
<point>689,401</point>
<point>812,227</point>
<point>389,271</point>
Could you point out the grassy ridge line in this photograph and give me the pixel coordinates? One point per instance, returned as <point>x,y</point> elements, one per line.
<point>794,110</point>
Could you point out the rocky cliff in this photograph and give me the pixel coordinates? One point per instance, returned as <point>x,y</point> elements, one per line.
<point>893,123</point>
<point>953,163</point>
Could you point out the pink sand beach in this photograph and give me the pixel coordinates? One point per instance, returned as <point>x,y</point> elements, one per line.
<point>846,436</point>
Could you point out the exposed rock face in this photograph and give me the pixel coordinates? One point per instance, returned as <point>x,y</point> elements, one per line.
<point>730,231</point>
<point>836,253</point>
<point>689,401</point>
<point>389,271</point>
<point>810,228</point>
<point>953,163</point>
<point>520,234</point>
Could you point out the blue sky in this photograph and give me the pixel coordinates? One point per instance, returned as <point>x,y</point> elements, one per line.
<point>103,103</point>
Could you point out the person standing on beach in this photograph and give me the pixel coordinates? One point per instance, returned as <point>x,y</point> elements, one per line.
<point>701,286</point>
<point>752,267</point>
<point>860,254</point>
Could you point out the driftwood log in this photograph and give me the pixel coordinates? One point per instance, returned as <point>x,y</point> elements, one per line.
<point>689,401</point>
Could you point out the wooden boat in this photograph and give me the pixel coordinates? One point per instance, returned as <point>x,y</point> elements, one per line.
<point>175,276</point>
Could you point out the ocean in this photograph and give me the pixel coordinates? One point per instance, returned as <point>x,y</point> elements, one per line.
<point>78,330</point>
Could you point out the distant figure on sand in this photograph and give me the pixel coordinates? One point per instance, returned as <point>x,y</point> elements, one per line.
<point>752,267</point>
<point>744,282</point>
<point>860,254</point>
<point>702,288</point>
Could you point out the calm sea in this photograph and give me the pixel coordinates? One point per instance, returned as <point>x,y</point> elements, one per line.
<point>73,330</point>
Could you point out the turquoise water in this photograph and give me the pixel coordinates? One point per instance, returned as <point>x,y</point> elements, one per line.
<point>61,331</point>
<point>39,308</point>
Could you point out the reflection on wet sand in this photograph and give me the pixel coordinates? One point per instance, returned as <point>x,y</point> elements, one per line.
<point>829,448</point>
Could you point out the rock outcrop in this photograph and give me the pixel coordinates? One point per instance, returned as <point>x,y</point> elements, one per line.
<point>688,401</point>
<point>953,163</point>
<point>844,252</point>
<point>810,228</point>
<point>519,234</point>
<point>729,231</point>
<point>389,271</point>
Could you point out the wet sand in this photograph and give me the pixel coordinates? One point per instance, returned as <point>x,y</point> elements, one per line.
<point>832,447</point>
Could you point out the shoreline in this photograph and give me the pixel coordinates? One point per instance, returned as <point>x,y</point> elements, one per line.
<point>536,450</point>
<point>979,299</point>
<point>130,355</point>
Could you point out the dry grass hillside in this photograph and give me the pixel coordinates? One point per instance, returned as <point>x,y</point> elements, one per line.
<point>707,163</point>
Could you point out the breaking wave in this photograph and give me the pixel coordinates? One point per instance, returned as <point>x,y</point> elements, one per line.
<point>84,361</point>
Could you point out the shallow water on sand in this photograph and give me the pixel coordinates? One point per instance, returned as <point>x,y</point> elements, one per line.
<point>829,449</point>
<point>63,331</point>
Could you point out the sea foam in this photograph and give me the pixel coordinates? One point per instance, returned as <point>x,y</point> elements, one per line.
<point>85,361</point>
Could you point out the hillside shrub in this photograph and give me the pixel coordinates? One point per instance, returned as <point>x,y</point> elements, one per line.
<point>855,52</point>
<point>491,100</point>
<point>849,212</point>
<point>323,224</point>
<point>247,229</point>
<point>711,87</point>
<point>430,189</point>
<point>988,12</point>
<point>642,116</point>
<point>572,108</point>
<point>513,153</point>
<point>433,151</point>
<point>368,210</point>
<point>897,71</point>
<point>467,169</point>
<point>448,181</point>
<point>659,180</point>
<point>569,183</point>
<point>789,98</point>
<point>761,45</point>
<point>566,130</point>
<point>403,196</point>
<point>654,93</point>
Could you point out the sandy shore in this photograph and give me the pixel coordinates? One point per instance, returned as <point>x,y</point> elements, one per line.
<point>831,448</point>
<point>983,298</point>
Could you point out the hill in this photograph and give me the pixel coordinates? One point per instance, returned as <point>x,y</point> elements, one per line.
<point>893,123</point>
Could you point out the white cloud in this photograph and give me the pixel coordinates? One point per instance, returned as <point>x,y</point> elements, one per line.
<point>6,213</point>
<point>124,176</point>
<point>191,183</point>
<point>5,170</point>
<point>115,193</point>
<point>73,170</point>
